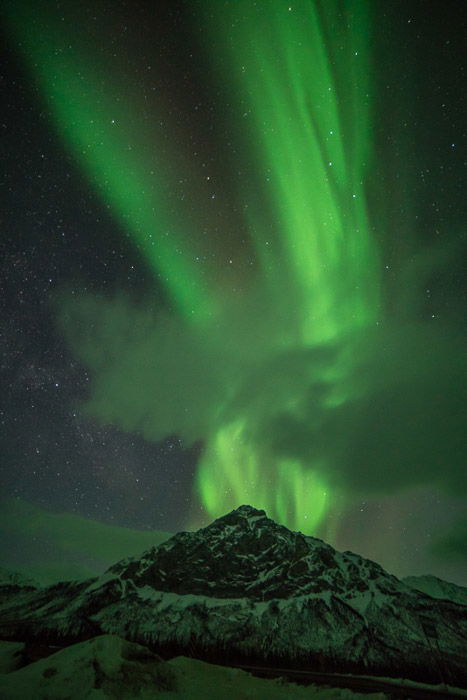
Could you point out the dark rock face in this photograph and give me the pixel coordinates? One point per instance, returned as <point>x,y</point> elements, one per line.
<point>247,587</point>
<point>243,554</point>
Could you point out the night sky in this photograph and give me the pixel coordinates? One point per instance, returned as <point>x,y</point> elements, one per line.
<point>231,268</point>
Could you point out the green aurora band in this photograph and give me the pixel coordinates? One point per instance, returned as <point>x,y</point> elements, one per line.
<point>112,151</point>
<point>301,76</point>
<point>306,89</point>
<point>307,95</point>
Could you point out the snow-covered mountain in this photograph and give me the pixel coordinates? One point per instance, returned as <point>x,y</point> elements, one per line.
<point>437,588</point>
<point>246,588</point>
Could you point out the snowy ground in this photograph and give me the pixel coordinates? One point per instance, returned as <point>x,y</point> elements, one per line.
<point>10,656</point>
<point>109,667</point>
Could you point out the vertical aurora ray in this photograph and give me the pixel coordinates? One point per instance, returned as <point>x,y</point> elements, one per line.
<point>304,90</point>
<point>299,76</point>
<point>120,154</point>
<point>234,470</point>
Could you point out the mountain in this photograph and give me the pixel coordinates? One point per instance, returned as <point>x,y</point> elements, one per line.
<point>64,545</point>
<point>437,588</point>
<point>15,580</point>
<point>247,589</point>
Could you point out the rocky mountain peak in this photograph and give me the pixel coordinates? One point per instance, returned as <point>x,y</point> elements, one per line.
<point>241,515</point>
<point>246,554</point>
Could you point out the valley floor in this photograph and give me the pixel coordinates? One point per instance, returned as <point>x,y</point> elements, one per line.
<point>110,667</point>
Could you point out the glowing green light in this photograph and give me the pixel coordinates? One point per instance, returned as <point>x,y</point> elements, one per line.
<point>298,79</point>
<point>233,471</point>
<point>109,139</point>
<point>305,93</point>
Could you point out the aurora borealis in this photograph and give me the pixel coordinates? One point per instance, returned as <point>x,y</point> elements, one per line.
<point>248,162</point>
<point>315,247</point>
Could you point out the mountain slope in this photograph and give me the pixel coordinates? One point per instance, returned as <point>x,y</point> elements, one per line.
<point>52,547</point>
<point>245,553</point>
<point>437,588</point>
<point>16,579</point>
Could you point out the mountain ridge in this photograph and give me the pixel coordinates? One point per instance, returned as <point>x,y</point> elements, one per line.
<point>246,553</point>
<point>437,588</point>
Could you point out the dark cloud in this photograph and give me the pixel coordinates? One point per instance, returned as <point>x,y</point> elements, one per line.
<point>383,411</point>
<point>402,423</point>
<point>452,545</point>
<point>149,374</point>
